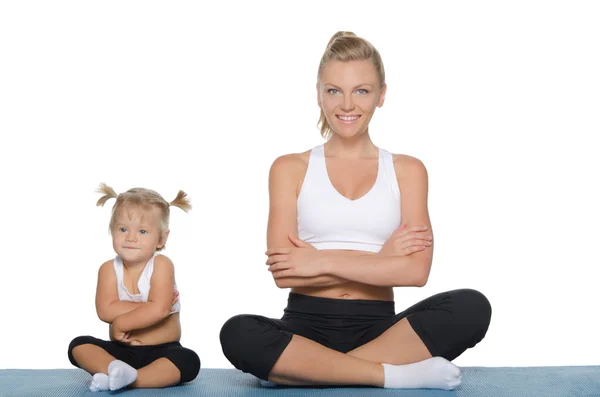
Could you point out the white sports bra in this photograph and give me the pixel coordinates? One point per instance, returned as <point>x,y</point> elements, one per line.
<point>328,220</point>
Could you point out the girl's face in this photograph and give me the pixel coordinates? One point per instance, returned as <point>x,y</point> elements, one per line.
<point>137,234</point>
<point>348,93</point>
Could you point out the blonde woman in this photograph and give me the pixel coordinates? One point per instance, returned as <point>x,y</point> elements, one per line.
<point>136,295</point>
<point>348,221</point>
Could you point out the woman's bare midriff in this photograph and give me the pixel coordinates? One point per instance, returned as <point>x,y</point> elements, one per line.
<point>168,330</point>
<point>351,289</point>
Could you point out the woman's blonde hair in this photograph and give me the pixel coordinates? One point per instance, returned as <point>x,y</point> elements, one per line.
<point>346,46</point>
<point>143,197</point>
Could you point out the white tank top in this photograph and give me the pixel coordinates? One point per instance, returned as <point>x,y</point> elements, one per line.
<point>328,220</point>
<point>143,283</point>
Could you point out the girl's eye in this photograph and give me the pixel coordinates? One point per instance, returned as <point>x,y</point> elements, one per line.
<point>143,231</point>
<point>122,230</point>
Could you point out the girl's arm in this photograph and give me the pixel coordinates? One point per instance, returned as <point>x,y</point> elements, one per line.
<point>108,305</point>
<point>285,179</point>
<point>159,302</point>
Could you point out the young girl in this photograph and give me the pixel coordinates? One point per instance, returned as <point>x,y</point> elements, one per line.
<point>137,295</point>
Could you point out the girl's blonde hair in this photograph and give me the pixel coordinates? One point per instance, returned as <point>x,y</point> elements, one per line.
<point>143,197</point>
<point>346,46</point>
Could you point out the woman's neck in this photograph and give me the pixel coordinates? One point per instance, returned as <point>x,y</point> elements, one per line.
<point>353,148</point>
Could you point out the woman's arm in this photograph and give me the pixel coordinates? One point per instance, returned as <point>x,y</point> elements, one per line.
<point>391,266</point>
<point>387,268</point>
<point>108,305</point>
<point>159,302</point>
<point>285,179</point>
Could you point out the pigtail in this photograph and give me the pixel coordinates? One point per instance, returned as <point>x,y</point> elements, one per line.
<point>182,201</point>
<point>107,192</point>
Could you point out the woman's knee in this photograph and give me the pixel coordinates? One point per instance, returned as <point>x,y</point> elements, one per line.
<point>253,343</point>
<point>234,335</point>
<point>475,311</point>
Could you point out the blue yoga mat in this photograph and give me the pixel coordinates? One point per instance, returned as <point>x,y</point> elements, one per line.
<point>476,382</point>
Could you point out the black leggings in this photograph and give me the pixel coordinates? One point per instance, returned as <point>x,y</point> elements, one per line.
<point>184,359</point>
<point>447,323</point>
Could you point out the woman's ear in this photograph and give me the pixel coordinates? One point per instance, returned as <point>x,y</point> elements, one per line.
<point>382,95</point>
<point>319,96</point>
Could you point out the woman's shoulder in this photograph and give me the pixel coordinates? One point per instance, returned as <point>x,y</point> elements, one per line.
<point>291,163</point>
<point>406,165</point>
<point>405,159</point>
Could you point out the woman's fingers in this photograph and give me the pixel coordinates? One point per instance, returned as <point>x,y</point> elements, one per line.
<point>275,259</point>
<point>414,235</point>
<point>282,273</point>
<point>414,229</point>
<point>404,230</point>
<point>297,242</point>
<point>279,266</point>
<point>412,249</point>
<point>414,240</point>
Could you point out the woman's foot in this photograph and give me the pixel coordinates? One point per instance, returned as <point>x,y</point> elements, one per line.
<point>433,373</point>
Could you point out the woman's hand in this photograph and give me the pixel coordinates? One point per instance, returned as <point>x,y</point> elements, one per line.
<point>302,260</point>
<point>407,240</point>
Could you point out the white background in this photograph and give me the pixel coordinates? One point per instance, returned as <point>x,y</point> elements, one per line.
<point>500,100</point>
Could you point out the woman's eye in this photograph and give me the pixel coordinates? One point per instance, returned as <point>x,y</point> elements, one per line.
<point>332,91</point>
<point>362,91</point>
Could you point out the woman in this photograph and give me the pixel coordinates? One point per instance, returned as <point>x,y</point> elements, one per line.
<point>347,223</point>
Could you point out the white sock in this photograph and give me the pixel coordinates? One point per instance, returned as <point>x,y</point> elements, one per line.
<point>120,375</point>
<point>433,373</point>
<point>99,382</point>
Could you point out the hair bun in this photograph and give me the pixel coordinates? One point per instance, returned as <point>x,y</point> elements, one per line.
<point>340,34</point>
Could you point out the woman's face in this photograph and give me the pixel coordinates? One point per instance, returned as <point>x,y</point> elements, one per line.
<point>348,93</point>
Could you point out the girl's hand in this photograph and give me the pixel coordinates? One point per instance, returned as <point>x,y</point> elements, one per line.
<point>407,240</point>
<point>175,300</point>
<point>302,260</point>
<point>117,334</point>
